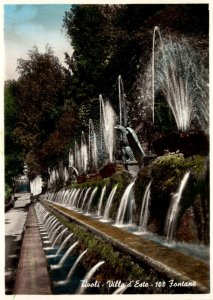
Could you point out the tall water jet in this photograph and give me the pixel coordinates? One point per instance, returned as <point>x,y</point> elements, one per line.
<point>123,205</point>
<point>108,127</point>
<point>156,28</point>
<point>178,73</point>
<point>109,204</point>
<point>122,102</point>
<point>93,152</point>
<point>36,185</point>
<point>172,215</point>
<point>71,159</point>
<point>145,209</point>
<point>84,153</point>
<point>66,174</point>
<point>88,277</point>
<point>77,157</point>
<point>100,203</point>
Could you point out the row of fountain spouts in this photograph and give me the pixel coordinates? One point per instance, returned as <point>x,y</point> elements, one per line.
<point>53,233</point>
<point>81,201</point>
<point>84,158</point>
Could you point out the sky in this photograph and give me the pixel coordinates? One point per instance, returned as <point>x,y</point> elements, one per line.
<point>28,25</point>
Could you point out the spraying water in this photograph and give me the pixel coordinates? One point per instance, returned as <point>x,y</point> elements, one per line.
<point>71,159</point>
<point>79,198</point>
<point>123,205</point>
<point>178,73</point>
<point>36,185</point>
<point>88,277</point>
<point>93,152</point>
<point>59,237</point>
<point>100,203</point>
<point>91,199</point>
<point>84,154</point>
<point>77,157</point>
<point>72,270</point>
<point>122,102</point>
<point>109,204</point>
<point>64,257</point>
<point>85,197</point>
<point>64,244</point>
<point>171,219</point>
<point>145,209</point>
<point>108,115</point>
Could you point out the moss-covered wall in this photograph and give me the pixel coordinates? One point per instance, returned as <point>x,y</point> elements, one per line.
<point>165,173</point>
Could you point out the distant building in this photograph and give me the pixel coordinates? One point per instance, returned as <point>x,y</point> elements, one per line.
<point>22,184</point>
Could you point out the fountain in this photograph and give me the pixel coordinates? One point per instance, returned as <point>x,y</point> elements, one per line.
<point>63,245</point>
<point>84,154</point>
<point>132,153</point>
<point>77,157</point>
<point>91,199</point>
<point>36,185</point>
<point>171,219</point>
<point>179,75</point>
<point>79,198</point>
<point>174,75</point>
<point>93,152</point>
<point>122,102</point>
<point>69,199</point>
<point>52,239</point>
<point>75,198</point>
<point>108,123</point>
<point>72,270</point>
<point>108,205</point>
<point>57,240</point>
<point>85,197</point>
<point>145,209</point>
<point>64,257</point>
<point>88,277</point>
<point>100,203</point>
<point>119,221</point>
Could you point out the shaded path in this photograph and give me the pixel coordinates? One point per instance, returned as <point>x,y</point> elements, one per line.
<point>32,276</point>
<point>15,220</point>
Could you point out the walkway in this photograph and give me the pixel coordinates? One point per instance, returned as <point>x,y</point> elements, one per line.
<point>15,220</point>
<point>32,276</point>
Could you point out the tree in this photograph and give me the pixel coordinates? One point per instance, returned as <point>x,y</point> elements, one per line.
<point>14,155</point>
<point>40,99</point>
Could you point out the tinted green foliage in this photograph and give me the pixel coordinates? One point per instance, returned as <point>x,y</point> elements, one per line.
<point>14,154</point>
<point>48,106</point>
<point>50,117</point>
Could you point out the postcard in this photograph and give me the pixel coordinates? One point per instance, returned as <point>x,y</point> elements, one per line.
<point>106,134</point>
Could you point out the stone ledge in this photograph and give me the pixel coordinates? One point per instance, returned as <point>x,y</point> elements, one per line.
<point>167,261</point>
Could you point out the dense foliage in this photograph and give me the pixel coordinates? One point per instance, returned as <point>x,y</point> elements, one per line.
<point>49,105</point>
